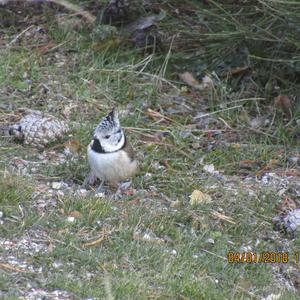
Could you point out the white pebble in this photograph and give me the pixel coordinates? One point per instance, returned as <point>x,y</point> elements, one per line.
<point>56,185</point>
<point>174,252</point>
<point>71,219</point>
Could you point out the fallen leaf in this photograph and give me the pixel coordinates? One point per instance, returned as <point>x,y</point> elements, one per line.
<point>72,146</point>
<point>76,214</point>
<point>283,102</point>
<point>198,197</point>
<point>190,80</point>
<point>238,70</point>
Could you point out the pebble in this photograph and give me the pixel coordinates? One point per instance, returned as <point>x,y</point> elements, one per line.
<point>100,195</point>
<point>56,185</point>
<point>70,219</point>
<point>210,241</point>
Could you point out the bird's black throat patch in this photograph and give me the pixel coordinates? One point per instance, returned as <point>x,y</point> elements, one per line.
<point>96,146</point>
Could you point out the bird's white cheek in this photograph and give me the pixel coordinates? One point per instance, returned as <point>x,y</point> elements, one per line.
<point>113,144</point>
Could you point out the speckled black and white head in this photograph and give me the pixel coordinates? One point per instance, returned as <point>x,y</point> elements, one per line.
<point>108,135</point>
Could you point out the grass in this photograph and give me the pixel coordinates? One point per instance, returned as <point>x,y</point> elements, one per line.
<point>138,269</point>
<point>151,243</point>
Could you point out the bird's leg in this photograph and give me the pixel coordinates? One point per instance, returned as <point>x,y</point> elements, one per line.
<point>125,185</point>
<point>100,187</point>
<point>90,179</point>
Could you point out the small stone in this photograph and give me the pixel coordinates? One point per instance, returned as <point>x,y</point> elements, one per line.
<point>174,252</point>
<point>100,195</point>
<point>147,237</point>
<point>71,219</point>
<point>56,185</point>
<point>209,168</point>
<point>60,193</point>
<point>257,122</point>
<point>281,192</point>
<point>57,265</point>
<point>185,133</point>
<point>82,192</point>
<point>210,241</point>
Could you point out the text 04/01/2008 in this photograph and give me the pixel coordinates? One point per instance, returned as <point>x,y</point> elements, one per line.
<point>263,257</point>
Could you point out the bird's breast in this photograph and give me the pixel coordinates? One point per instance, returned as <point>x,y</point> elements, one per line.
<point>113,167</point>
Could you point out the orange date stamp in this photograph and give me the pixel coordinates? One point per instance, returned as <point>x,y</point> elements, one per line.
<point>263,257</point>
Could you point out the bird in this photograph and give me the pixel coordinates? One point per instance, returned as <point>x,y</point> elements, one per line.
<point>110,155</point>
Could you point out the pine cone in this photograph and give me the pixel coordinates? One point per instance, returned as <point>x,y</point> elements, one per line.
<point>288,223</point>
<point>38,129</point>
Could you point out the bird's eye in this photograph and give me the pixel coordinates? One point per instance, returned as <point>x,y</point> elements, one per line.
<point>107,137</point>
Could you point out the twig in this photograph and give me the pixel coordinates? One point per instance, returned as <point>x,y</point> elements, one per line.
<point>156,114</point>
<point>226,124</point>
<point>55,47</point>
<point>214,254</point>
<point>103,236</point>
<point>223,217</point>
<point>11,268</point>
<point>262,132</point>
<point>217,111</point>
<point>95,242</point>
<point>19,35</point>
